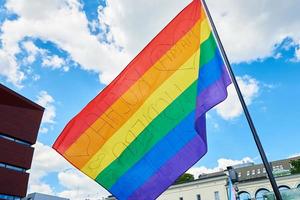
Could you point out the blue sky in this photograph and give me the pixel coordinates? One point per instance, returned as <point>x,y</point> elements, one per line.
<point>62,53</point>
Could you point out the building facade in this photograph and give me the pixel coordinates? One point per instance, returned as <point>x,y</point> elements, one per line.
<point>251,183</point>
<point>20,120</point>
<point>207,187</point>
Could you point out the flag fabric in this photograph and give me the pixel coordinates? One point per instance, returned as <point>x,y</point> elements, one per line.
<point>231,190</point>
<point>148,126</point>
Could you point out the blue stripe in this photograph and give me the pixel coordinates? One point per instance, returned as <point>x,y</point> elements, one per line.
<point>163,151</point>
<point>210,72</point>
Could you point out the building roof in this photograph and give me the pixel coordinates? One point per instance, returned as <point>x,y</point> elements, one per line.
<point>20,117</point>
<point>250,171</point>
<point>258,171</point>
<point>10,97</point>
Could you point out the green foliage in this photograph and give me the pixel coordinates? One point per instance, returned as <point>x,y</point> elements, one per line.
<point>185,178</point>
<point>295,166</point>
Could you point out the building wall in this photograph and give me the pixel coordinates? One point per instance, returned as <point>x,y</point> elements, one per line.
<point>252,187</point>
<point>206,188</point>
<point>251,179</point>
<point>19,124</point>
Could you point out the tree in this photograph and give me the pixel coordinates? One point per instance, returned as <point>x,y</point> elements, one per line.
<point>186,177</point>
<point>295,166</point>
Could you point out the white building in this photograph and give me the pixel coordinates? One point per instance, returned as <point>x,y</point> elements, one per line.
<point>251,183</point>
<point>208,187</point>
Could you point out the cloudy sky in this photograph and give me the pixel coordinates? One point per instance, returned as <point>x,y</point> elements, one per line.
<point>61,53</point>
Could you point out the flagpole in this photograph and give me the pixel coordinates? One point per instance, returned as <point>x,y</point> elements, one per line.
<point>246,111</point>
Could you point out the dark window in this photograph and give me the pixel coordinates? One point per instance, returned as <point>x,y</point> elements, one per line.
<point>198,197</point>
<point>14,140</point>
<point>244,196</point>
<point>298,186</point>
<point>181,198</point>
<point>12,167</point>
<point>8,197</point>
<point>260,193</point>
<point>284,187</point>
<point>217,195</point>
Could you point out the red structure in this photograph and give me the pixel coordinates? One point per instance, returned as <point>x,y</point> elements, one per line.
<point>20,120</point>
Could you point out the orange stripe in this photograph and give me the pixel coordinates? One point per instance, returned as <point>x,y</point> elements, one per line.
<point>93,139</point>
<point>172,33</point>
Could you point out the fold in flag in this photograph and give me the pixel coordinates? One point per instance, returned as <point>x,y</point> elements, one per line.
<point>148,126</point>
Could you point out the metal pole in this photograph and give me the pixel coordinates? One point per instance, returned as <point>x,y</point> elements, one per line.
<point>246,111</point>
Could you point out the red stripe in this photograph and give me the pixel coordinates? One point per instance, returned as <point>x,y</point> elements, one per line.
<point>163,42</point>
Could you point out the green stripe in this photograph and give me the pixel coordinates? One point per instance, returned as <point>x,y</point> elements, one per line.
<point>207,49</point>
<point>161,125</point>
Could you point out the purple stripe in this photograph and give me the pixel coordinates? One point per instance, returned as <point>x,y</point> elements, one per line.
<point>193,151</point>
<point>176,166</point>
<point>211,96</point>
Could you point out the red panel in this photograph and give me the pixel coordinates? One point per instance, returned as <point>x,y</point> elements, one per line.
<point>20,123</point>
<point>13,183</point>
<point>19,117</point>
<point>15,154</point>
<point>9,97</point>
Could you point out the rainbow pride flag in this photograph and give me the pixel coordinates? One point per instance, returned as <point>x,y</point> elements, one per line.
<point>148,126</point>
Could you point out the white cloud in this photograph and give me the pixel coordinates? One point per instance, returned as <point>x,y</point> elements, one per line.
<point>40,188</point>
<point>294,155</point>
<point>297,54</point>
<point>10,69</point>
<point>43,130</point>
<point>248,29</point>
<point>45,161</point>
<point>47,101</point>
<point>79,186</point>
<point>54,62</point>
<point>144,19</point>
<point>231,107</point>
<point>222,165</point>
<point>75,185</point>
<point>63,23</point>
<point>32,51</point>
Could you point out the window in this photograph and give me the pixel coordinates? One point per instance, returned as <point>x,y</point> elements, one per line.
<point>15,168</point>
<point>8,197</point>
<point>264,170</point>
<point>12,167</point>
<point>284,187</point>
<point>181,198</point>
<point>240,174</point>
<point>217,195</point>
<point>253,172</point>
<point>298,186</point>
<point>14,140</point>
<point>248,173</point>
<point>198,197</point>
<point>281,167</point>
<point>258,171</point>
<point>244,196</point>
<point>260,193</point>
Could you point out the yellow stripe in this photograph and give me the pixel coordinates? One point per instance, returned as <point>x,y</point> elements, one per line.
<point>205,30</point>
<point>151,108</point>
<point>87,145</point>
<point>157,102</point>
